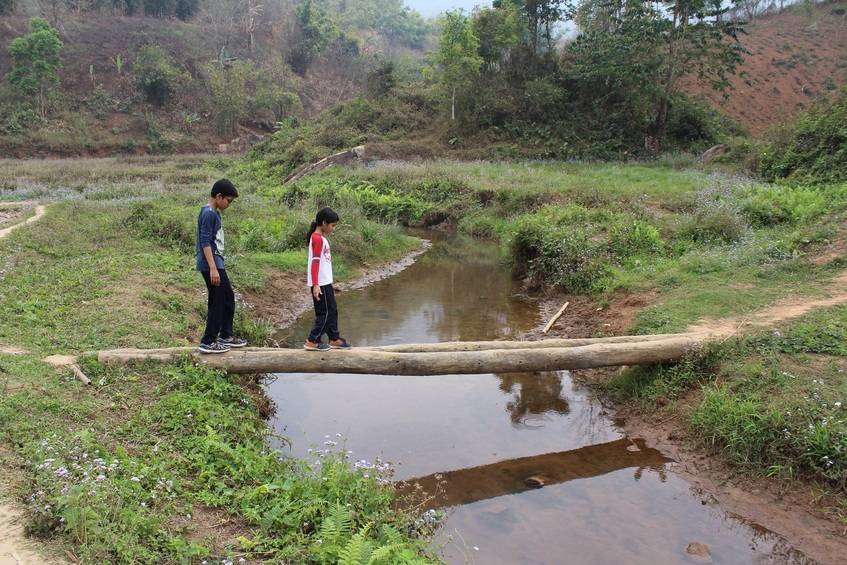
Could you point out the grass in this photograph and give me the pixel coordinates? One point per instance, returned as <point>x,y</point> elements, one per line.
<point>111,265</point>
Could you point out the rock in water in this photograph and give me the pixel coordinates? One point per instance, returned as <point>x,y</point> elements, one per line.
<point>699,552</point>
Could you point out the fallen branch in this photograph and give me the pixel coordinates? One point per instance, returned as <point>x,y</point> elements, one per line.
<point>556,317</point>
<point>80,375</point>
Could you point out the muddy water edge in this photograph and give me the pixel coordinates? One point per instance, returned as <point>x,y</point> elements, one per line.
<point>530,468</point>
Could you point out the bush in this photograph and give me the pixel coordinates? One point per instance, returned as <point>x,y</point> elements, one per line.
<point>813,148</point>
<point>715,222</point>
<point>18,121</point>
<point>156,77</point>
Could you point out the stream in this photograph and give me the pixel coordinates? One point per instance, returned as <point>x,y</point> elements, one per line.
<point>605,499</point>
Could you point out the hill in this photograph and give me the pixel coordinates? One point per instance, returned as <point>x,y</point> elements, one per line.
<point>795,57</point>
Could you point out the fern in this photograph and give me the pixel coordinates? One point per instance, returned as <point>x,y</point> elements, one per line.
<point>337,525</point>
<point>358,551</point>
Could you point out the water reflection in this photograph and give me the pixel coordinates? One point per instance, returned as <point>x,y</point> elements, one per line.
<point>512,476</point>
<point>534,395</point>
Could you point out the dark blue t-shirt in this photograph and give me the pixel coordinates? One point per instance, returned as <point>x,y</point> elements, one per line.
<point>210,233</point>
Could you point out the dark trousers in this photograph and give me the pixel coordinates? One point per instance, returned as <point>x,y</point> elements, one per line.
<point>326,315</point>
<point>221,308</point>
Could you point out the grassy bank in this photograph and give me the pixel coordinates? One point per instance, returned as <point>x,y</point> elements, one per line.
<point>186,474</point>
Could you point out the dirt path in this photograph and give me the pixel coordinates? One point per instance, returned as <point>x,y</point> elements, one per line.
<point>788,307</point>
<point>15,548</point>
<point>7,216</point>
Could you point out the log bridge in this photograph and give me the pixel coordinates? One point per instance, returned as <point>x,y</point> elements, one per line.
<point>475,357</point>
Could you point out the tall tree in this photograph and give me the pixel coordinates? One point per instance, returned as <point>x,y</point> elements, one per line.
<point>499,31</point>
<point>457,56</point>
<point>314,31</point>
<point>645,51</point>
<point>35,60</point>
<point>541,17</point>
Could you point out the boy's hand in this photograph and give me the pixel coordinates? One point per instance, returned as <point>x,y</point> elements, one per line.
<point>316,292</point>
<point>214,276</point>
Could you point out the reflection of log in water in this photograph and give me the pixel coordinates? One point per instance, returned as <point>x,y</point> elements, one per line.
<point>465,486</point>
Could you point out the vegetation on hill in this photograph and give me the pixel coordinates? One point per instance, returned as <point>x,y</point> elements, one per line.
<point>499,83</point>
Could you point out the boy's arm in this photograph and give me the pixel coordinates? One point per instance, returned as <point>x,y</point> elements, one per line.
<point>206,231</point>
<point>214,276</point>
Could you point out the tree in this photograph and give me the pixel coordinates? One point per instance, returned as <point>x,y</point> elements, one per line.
<point>316,31</point>
<point>641,51</point>
<point>499,31</point>
<point>35,60</point>
<point>457,54</point>
<point>156,76</point>
<point>540,17</point>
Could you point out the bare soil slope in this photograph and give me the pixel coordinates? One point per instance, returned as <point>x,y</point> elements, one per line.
<point>794,59</point>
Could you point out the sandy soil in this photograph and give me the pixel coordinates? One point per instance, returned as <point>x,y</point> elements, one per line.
<point>15,548</point>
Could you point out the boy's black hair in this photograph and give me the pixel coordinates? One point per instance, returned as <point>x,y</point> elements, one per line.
<point>224,187</point>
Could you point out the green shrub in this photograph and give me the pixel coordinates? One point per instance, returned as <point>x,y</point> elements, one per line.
<point>774,204</point>
<point>21,120</point>
<point>713,221</point>
<point>813,147</point>
<point>156,77</point>
<point>163,224</point>
<point>635,239</point>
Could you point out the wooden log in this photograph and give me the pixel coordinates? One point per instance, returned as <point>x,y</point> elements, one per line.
<point>338,159</point>
<point>554,318</point>
<point>540,344</point>
<point>364,361</point>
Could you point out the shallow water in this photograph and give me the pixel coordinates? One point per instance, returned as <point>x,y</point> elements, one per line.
<point>605,499</point>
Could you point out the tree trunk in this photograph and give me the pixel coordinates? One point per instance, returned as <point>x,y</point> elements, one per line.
<point>453,105</point>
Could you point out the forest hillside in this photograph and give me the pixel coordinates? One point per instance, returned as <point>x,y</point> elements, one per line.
<point>140,84</point>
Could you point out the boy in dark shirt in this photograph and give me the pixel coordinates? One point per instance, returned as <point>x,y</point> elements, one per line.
<point>218,337</point>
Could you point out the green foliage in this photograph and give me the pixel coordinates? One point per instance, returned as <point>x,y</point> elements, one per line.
<point>19,120</point>
<point>315,32</point>
<point>457,57</point>
<point>655,385</point>
<point>813,148</point>
<point>773,204</point>
<point>156,76</point>
<point>498,31</point>
<point>36,60</point>
<point>634,57</point>
<point>712,221</point>
<point>199,439</point>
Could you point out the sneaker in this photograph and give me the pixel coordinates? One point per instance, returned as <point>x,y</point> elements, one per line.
<point>216,347</point>
<point>339,343</point>
<point>311,346</point>
<point>233,341</point>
